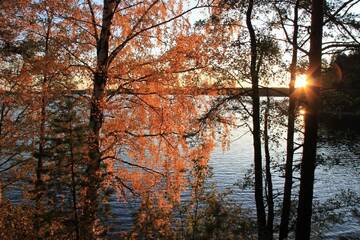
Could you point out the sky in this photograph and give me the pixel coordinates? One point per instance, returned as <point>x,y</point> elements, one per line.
<point>199,14</point>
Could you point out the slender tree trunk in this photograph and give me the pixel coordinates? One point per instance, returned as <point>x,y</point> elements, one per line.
<point>96,120</point>
<point>260,208</point>
<point>39,166</point>
<point>2,116</point>
<point>42,132</point>
<point>304,211</point>
<point>268,177</point>
<point>73,184</point>
<point>286,206</point>
<point>2,119</point>
<point>1,194</point>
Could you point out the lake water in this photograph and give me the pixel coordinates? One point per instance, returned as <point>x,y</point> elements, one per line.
<point>231,166</point>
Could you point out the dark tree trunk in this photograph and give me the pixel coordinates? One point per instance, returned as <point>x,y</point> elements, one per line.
<point>96,120</point>
<point>2,116</point>
<point>39,165</point>
<point>286,206</point>
<point>42,134</point>
<point>73,182</point>
<point>260,208</point>
<point>94,155</point>
<point>268,177</point>
<point>304,211</point>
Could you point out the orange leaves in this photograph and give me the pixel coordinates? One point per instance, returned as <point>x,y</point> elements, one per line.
<point>152,153</point>
<point>15,221</point>
<point>187,51</point>
<point>162,10</point>
<point>122,27</point>
<point>147,63</point>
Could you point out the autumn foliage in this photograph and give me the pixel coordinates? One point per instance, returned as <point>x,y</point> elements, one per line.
<point>104,100</point>
<point>86,108</point>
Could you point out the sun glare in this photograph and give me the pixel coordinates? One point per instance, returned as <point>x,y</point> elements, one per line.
<point>301,81</point>
<point>302,111</point>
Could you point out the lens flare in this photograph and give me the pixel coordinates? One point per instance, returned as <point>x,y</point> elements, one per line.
<point>301,81</point>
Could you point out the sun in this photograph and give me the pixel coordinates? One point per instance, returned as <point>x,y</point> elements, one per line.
<point>301,81</point>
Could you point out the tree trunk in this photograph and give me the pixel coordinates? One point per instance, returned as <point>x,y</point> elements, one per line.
<point>2,116</point>
<point>286,206</point>
<point>268,177</point>
<point>304,211</point>
<point>73,182</point>
<point>96,120</point>
<point>260,208</point>
<point>42,133</point>
<point>94,155</point>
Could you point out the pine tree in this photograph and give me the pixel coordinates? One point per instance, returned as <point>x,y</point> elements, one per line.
<point>63,168</point>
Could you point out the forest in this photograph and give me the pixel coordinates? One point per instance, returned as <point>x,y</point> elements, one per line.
<point>179,119</point>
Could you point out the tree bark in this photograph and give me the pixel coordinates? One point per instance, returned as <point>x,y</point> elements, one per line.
<point>42,132</point>
<point>96,120</point>
<point>2,116</point>
<point>73,182</point>
<point>286,206</point>
<point>304,211</point>
<point>268,177</point>
<point>260,208</point>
